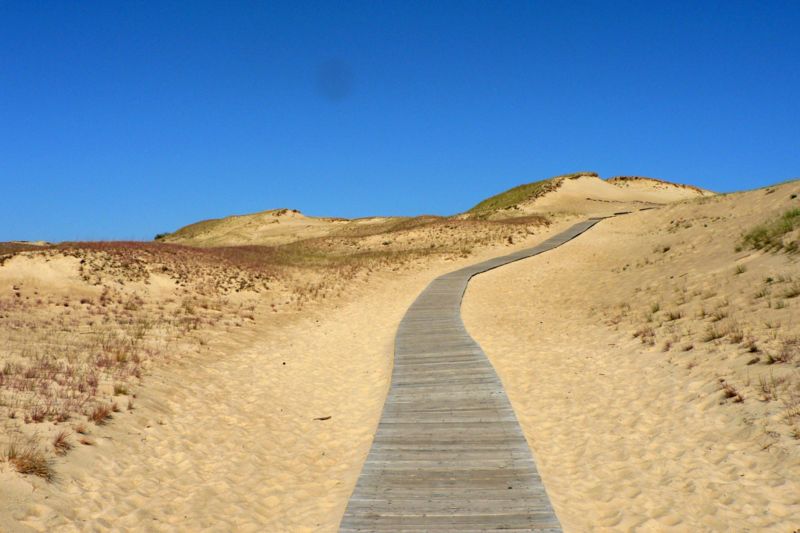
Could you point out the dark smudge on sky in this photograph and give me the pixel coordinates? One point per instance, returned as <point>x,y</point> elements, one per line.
<point>334,79</point>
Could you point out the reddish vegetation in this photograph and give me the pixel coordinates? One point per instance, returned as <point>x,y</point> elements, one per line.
<point>66,357</point>
<point>224,269</point>
<point>8,249</point>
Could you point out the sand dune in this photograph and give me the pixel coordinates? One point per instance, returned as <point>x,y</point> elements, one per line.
<point>643,363</point>
<point>263,372</point>
<point>583,193</point>
<point>591,196</point>
<point>230,439</point>
<point>224,435</point>
<point>276,226</point>
<point>576,194</point>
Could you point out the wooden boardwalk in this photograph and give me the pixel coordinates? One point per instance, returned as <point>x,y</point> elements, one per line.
<point>449,454</point>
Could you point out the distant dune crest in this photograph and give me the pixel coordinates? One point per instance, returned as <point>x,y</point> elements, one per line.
<point>644,181</point>
<point>584,193</point>
<point>579,193</point>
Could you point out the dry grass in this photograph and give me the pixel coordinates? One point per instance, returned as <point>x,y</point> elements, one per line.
<point>770,387</point>
<point>63,356</point>
<point>9,249</point>
<point>100,414</point>
<point>55,363</point>
<point>66,356</point>
<point>712,333</point>
<point>787,351</point>
<point>646,334</point>
<point>730,392</point>
<point>28,459</point>
<point>61,442</point>
<point>722,312</point>
<point>793,291</point>
<point>778,234</point>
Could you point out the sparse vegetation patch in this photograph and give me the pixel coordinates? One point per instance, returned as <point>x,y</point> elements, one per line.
<point>777,235</point>
<point>522,193</point>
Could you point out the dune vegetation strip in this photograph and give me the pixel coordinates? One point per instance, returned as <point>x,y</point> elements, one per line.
<point>521,193</point>
<point>198,409</point>
<point>779,234</point>
<point>82,324</point>
<point>78,353</point>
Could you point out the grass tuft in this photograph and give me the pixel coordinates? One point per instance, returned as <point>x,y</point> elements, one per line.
<point>730,392</point>
<point>28,459</point>
<point>712,333</point>
<point>61,442</point>
<point>100,414</point>
<point>771,235</point>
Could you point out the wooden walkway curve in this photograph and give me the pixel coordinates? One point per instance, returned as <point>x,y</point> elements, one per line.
<point>449,453</point>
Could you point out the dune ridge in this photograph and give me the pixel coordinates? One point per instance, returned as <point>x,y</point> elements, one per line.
<point>580,193</point>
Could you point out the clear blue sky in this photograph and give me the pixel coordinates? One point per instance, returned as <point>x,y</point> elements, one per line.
<point>119,120</point>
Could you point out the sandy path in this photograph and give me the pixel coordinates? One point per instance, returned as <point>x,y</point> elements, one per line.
<point>624,439</point>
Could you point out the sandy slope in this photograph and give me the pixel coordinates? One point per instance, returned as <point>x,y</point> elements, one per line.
<point>229,442</point>
<point>593,196</point>
<point>657,190</point>
<point>225,436</point>
<point>602,345</point>
<point>277,226</point>
<point>584,194</point>
<point>228,439</point>
<point>269,228</point>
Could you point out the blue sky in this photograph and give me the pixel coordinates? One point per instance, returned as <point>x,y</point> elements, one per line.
<point>119,120</point>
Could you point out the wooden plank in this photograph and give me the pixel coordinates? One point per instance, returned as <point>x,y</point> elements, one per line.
<point>449,454</point>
